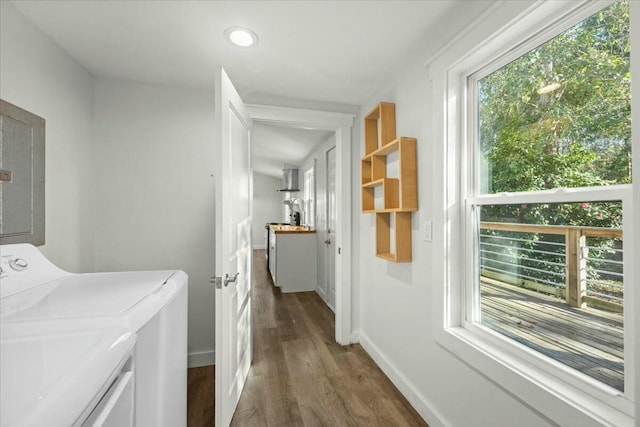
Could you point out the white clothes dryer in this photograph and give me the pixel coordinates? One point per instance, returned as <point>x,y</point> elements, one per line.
<point>152,304</point>
<point>62,374</point>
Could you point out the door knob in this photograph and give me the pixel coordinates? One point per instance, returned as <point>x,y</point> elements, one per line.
<point>327,242</point>
<point>218,281</point>
<point>228,279</point>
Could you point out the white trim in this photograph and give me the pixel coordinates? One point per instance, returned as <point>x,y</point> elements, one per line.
<point>343,236</point>
<point>459,36</point>
<point>560,195</point>
<point>201,358</point>
<point>310,220</point>
<point>341,124</point>
<point>555,18</point>
<point>541,392</point>
<point>632,246</point>
<point>321,293</point>
<point>423,406</point>
<point>299,118</point>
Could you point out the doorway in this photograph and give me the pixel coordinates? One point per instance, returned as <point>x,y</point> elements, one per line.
<point>273,149</point>
<point>341,124</point>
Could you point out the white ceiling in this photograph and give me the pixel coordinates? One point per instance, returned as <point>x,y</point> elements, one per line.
<point>336,51</point>
<point>333,51</point>
<point>274,146</point>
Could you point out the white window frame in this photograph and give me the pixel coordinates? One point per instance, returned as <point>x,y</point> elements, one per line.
<point>309,195</point>
<point>546,386</point>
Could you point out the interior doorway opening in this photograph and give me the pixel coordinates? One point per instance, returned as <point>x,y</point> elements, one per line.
<point>341,125</point>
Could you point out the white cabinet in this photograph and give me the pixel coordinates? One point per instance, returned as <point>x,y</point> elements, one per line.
<point>292,261</point>
<point>272,255</point>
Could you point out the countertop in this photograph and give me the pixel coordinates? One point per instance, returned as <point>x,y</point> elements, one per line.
<point>290,229</point>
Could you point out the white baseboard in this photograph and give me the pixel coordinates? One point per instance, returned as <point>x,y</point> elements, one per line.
<point>421,405</point>
<point>201,358</point>
<point>355,337</point>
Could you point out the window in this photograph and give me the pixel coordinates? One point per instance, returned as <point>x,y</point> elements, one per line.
<point>309,197</point>
<point>545,204</point>
<point>549,268</point>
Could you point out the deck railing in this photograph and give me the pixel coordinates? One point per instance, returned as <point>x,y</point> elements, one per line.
<point>581,264</point>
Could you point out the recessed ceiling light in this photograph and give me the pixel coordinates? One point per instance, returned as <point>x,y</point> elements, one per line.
<point>241,36</point>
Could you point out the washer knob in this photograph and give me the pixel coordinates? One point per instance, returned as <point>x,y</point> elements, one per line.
<point>18,264</point>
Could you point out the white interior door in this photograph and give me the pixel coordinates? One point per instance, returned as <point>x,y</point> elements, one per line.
<point>233,188</point>
<point>330,242</point>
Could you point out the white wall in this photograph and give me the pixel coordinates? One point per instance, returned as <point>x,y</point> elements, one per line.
<point>128,172</point>
<point>155,204</point>
<point>396,320</point>
<point>267,206</point>
<point>319,155</point>
<point>40,77</point>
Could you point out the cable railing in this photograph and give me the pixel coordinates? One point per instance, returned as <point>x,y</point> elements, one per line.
<point>583,265</point>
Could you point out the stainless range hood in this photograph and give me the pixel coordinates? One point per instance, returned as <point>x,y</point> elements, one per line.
<point>289,180</point>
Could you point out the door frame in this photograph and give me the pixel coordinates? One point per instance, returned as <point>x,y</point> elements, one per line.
<point>327,215</point>
<point>341,124</point>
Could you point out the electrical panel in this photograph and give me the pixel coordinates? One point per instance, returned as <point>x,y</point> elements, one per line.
<point>21,176</point>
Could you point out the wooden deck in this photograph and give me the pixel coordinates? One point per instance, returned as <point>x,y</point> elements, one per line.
<point>588,340</point>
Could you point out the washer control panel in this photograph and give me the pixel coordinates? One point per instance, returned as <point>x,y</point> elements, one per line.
<point>23,266</point>
<point>18,264</point>
<point>10,264</point>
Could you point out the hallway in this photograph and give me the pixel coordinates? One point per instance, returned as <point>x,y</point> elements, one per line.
<point>300,376</point>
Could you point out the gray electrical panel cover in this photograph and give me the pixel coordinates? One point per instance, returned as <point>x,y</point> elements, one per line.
<point>21,176</point>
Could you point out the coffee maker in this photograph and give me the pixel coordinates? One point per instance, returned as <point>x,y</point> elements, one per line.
<point>295,218</point>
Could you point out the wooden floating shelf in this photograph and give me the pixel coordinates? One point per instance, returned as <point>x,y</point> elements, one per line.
<point>391,146</point>
<point>397,196</point>
<point>402,236</point>
<point>375,183</point>
<point>366,170</point>
<point>386,210</point>
<point>390,196</point>
<point>379,126</point>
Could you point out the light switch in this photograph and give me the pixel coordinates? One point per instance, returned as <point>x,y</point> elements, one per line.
<point>426,231</point>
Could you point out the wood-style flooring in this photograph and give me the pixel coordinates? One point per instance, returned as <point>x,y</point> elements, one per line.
<point>201,411</point>
<point>300,376</point>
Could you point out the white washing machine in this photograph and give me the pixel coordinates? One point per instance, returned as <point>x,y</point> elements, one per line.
<point>62,374</point>
<point>151,304</point>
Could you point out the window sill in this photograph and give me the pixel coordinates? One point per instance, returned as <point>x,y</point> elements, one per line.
<point>536,388</point>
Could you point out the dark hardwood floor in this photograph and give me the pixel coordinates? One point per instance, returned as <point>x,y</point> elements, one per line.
<point>201,396</point>
<point>300,376</point>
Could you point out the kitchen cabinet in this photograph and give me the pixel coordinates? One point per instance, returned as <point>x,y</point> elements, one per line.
<point>292,258</point>
<point>272,255</point>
